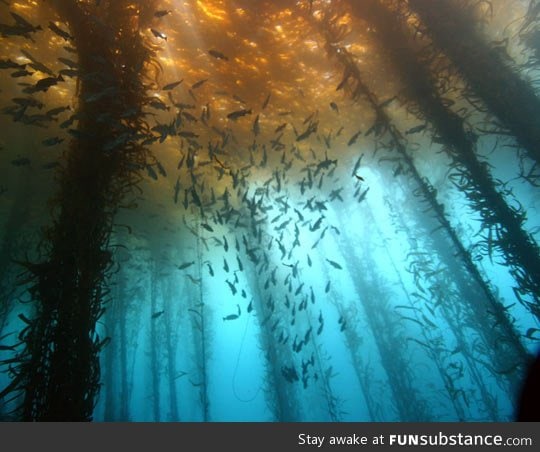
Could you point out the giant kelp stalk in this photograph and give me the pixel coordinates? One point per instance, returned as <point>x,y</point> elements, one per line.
<point>13,242</point>
<point>58,370</point>
<point>200,318</point>
<point>477,290</point>
<point>171,341</point>
<point>452,298</point>
<point>155,343</point>
<point>374,297</point>
<point>115,360</point>
<point>280,390</point>
<point>503,223</point>
<point>512,100</point>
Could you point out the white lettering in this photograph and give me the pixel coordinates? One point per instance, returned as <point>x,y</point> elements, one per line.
<point>310,440</point>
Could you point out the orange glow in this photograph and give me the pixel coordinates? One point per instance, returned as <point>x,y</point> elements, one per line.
<point>212,11</point>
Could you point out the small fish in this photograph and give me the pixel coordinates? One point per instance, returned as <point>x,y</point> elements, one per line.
<point>21,161</point>
<point>207,227</point>
<point>183,106</point>
<point>360,178</point>
<point>334,264</point>
<point>162,13</point>
<point>218,55</point>
<point>354,138</point>
<point>530,333</point>
<point>185,265</point>
<point>28,102</point>
<point>334,107</point>
<point>158,104</point>
<point>45,83</point>
<point>265,103</point>
<point>317,224</point>
<point>170,86</point>
<point>9,64</point>
<point>199,83</point>
<point>151,172</point>
<point>240,266</point>
<point>238,114</point>
<point>363,195</point>
<point>231,286</point>
<point>155,315</point>
<point>52,141</point>
<point>188,134</point>
<point>256,129</point>
<point>69,72</point>
<point>69,63</point>
<point>23,23</point>
<point>158,34</point>
<point>21,73</point>
<point>161,169</point>
<point>239,99</point>
<point>56,111</point>
<point>195,197</point>
<point>327,288</point>
<point>415,129</point>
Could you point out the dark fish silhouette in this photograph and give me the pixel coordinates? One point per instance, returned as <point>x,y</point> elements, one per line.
<point>207,227</point>
<point>238,114</point>
<point>199,83</point>
<point>265,103</point>
<point>162,13</point>
<point>354,138</point>
<point>218,55</point>
<point>415,129</point>
<point>52,141</point>
<point>231,286</point>
<point>158,34</point>
<point>155,315</point>
<point>256,129</point>
<point>172,85</point>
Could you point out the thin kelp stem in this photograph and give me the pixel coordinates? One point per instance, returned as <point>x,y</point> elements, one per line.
<point>171,341</point>
<point>457,303</point>
<point>11,247</point>
<point>396,142</point>
<point>410,404</point>
<point>473,178</point>
<point>512,100</point>
<point>155,345</point>
<point>200,322</point>
<point>279,393</point>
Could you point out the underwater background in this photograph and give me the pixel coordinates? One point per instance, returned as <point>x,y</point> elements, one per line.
<point>233,210</point>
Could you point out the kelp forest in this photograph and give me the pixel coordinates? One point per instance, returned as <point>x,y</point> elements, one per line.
<point>279,211</point>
